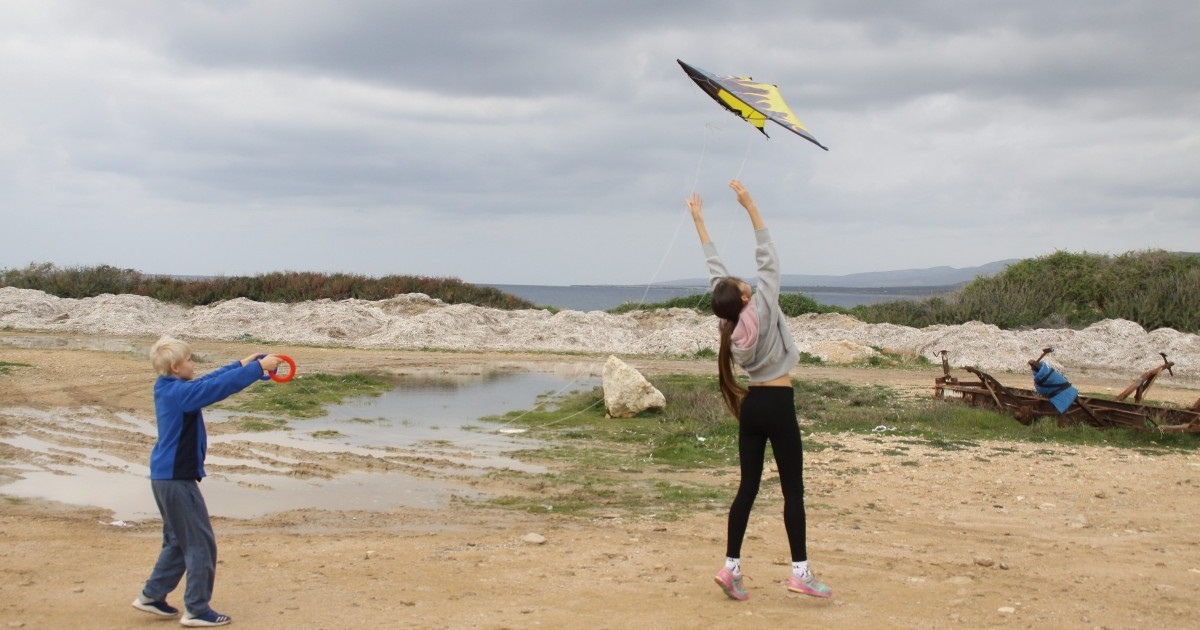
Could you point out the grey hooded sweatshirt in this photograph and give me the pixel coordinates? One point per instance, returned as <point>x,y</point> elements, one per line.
<point>775,353</point>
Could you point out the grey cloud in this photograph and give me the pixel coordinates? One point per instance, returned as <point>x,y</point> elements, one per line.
<point>518,126</point>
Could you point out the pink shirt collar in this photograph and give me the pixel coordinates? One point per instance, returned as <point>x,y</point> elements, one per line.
<point>746,333</point>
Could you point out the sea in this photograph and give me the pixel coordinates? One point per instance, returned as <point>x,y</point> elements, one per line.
<point>582,297</point>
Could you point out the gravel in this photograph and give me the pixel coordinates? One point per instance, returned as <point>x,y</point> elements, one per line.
<point>416,321</point>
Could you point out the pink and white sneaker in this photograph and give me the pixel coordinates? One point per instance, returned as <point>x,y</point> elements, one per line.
<point>809,585</point>
<point>731,584</point>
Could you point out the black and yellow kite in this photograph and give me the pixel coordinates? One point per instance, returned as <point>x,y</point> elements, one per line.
<point>756,103</point>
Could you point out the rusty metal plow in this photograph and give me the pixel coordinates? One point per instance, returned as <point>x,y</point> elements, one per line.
<point>1027,406</point>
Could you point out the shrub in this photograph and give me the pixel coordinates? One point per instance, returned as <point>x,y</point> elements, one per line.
<point>286,287</point>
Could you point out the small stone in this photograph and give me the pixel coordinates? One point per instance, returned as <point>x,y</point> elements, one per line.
<point>984,561</point>
<point>1006,610</point>
<point>534,539</point>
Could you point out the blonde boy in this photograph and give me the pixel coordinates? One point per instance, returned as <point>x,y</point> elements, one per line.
<point>176,469</point>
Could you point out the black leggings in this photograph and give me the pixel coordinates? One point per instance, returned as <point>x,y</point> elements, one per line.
<point>769,413</point>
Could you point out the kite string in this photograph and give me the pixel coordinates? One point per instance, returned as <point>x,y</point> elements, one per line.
<point>745,157</point>
<point>663,261</point>
<point>679,225</point>
<point>708,127</point>
<point>732,215</point>
<point>495,432</point>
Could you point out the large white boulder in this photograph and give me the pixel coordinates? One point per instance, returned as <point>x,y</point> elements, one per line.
<point>626,392</point>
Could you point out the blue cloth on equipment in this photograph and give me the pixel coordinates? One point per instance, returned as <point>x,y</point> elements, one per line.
<point>1055,386</point>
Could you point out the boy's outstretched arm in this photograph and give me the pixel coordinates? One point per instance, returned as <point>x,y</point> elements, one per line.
<point>269,362</point>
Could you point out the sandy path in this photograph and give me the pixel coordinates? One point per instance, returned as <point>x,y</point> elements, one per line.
<point>996,535</point>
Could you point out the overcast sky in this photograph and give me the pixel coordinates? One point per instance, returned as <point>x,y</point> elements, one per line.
<point>553,142</point>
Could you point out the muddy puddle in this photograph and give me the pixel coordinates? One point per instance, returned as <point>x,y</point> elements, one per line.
<point>418,445</point>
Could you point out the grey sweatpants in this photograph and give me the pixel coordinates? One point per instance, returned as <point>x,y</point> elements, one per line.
<point>188,545</point>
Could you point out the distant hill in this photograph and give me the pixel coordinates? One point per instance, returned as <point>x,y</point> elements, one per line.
<point>931,277</point>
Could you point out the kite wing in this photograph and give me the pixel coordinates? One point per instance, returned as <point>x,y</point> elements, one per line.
<point>756,103</point>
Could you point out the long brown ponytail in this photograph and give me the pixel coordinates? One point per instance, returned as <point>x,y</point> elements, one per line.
<point>727,304</point>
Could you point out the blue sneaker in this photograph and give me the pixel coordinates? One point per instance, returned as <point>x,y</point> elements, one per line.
<point>210,618</point>
<point>158,607</point>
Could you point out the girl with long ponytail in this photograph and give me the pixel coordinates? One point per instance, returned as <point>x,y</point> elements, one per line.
<point>755,337</point>
<point>727,304</point>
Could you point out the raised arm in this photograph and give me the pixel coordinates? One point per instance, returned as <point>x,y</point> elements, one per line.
<point>716,268</point>
<point>694,204</point>
<point>744,198</point>
<point>764,251</point>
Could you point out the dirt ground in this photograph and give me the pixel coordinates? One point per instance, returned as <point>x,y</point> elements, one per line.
<point>908,536</point>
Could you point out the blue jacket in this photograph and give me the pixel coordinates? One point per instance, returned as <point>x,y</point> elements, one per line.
<point>182,440</point>
<point>1055,386</point>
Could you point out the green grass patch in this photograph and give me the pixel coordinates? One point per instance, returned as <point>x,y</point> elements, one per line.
<point>597,494</point>
<point>644,465</point>
<point>694,431</point>
<point>887,359</point>
<point>258,425</point>
<point>810,359</point>
<point>6,366</point>
<point>307,395</point>
<point>376,420</point>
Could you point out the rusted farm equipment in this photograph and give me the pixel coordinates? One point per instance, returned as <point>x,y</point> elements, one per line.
<point>1027,405</point>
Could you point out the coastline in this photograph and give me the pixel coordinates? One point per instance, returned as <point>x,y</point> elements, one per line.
<point>589,297</point>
